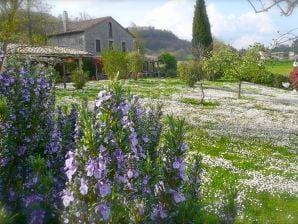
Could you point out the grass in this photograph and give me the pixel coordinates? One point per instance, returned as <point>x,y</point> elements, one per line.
<point>227,160</point>
<point>280,67</point>
<point>205,104</point>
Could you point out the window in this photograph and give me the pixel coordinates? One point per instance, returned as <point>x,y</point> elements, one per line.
<point>98,47</point>
<point>123,46</point>
<point>110,30</point>
<point>111,43</point>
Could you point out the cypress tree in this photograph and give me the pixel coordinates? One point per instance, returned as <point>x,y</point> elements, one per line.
<point>201,34</point>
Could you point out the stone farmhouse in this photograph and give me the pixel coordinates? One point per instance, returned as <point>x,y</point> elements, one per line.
<point>93,35</point>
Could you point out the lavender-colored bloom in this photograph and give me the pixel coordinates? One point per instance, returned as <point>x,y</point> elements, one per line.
<point>104,211</point>
<point>32,199</point>
<point>178,196</point>
<point>104,189</point>
<point>118,155</point>
<point>83,187</point>
<point>145,139</point>
<point>71,165</point>
<point>158,213</point>
<point>67,197</point>
<point>129,174</point>
<point>12,195</point>
<point>22,150</point>
<point>124,107</point>
<point>184,147</point>
<point>183,175</point>
<point>102,148</point>
<point>90,167</point>
<point>178,163</point>
<point>37,217</point>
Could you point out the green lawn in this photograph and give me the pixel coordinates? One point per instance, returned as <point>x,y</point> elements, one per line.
<point>280,67</point>
<point>248,146</point>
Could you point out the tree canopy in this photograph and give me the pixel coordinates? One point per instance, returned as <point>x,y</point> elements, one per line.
<point>201,36</point>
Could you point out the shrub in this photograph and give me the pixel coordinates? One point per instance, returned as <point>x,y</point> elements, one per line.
<point>115,61</point>
<point>89,67</point>
<point>79,78</point>
<point>170,64</point>
<point>122,170</point>
<point>190,72</point>
<point>135,63</point>
<point>294,78</point>
<point>168,60</point>
<point>31,153</point>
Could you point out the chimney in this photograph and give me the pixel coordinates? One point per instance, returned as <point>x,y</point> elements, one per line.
<point>65,21</point>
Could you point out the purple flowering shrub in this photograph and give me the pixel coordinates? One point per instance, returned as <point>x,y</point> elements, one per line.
<point>30,150</point>
<point>121,171</point>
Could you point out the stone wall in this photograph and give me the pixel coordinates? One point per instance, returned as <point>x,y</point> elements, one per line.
<point>75,41</point>
<point>101,32</point>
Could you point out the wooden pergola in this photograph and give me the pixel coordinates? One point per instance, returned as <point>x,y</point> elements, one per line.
<point>49,55</point>
<point>151,65</point>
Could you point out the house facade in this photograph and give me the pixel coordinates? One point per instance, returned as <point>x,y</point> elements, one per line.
<point>93,36</point>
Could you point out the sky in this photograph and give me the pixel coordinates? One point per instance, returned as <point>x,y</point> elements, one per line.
<point>232,21</point>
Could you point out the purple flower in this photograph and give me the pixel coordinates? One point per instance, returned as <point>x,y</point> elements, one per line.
<point>102,148</point>
<point>22,150</point>
<point>71,165</point>
<point>104,211</point>
<point>158,213</point>
<point>83,187</point>
<point>129,174</point>
<point>184,147</point>
<point>178,163</point>
<point>104,189</point>
<point>178,197</point>
<point>67,197</point>
<point>145,139</point>
<point>124,107</point>
<point>37,217</point>
<point>32,199</point>
<point>90,167</point>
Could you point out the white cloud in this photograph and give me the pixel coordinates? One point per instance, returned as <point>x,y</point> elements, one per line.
<point>176,16</point>
<point>238,30</point>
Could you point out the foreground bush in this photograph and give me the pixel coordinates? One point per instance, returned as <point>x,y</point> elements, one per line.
<point>79,78</point>
<point>120,172</point>
<point>30,152</point>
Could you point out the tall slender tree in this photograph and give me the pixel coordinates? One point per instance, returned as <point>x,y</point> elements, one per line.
<point>201,36</point>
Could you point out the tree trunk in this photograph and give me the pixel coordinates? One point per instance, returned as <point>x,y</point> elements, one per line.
<point>239,89</point>
<point>202,93</point>
<point>4,58</point>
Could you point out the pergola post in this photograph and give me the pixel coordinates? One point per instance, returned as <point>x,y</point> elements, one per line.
<point>80,63</point>
<point>64,75</point>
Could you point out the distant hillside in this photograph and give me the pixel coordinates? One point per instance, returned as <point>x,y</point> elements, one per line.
<point>157,41</point>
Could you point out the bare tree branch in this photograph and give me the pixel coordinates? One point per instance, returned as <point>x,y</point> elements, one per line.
<point>288,37</point>
<point>286,7</point>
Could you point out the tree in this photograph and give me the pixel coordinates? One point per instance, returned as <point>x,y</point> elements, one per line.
<point>170,64</point>
<point>139,39</point>
<point>114,61</point>
<point>286,7</point>
<point>135,63</point>
<point>8,23</point>
<point>202,38</point>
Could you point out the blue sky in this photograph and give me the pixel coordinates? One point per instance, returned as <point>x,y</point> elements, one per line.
<point>232,21</point>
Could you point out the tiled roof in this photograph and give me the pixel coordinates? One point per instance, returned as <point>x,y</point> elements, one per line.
<point>84,25</point>
<point>44,50</point>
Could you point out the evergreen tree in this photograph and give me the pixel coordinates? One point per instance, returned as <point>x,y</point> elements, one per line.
<point>202,38</point>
